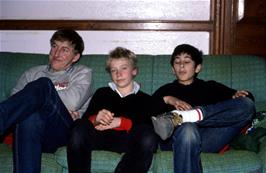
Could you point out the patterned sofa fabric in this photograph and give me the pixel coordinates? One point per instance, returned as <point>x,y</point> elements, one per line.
<point>240,72</point>
<point>49,164</point>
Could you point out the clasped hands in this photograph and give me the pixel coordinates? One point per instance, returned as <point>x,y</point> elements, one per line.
<point>105,120</point>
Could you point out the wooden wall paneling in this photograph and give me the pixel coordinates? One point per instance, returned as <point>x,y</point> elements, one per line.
<point>251,29</point>
<point>223,16</point>
<point>129,25</point>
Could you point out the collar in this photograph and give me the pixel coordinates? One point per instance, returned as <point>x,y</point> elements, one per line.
<point>136,88</point>
<point>49,69</point>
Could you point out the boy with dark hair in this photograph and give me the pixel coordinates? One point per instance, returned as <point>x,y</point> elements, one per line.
<point>201,116</point>
<point>46,101</point>
<point>117,119</point>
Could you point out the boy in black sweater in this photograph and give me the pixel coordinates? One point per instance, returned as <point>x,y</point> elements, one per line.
<point>205,115</point>
<point>117,119</point>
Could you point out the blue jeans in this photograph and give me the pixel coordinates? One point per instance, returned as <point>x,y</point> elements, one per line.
<point>221,123</point>
<point>42,123</point>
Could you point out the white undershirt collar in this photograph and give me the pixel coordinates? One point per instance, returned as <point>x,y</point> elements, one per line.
<point>136,88</point>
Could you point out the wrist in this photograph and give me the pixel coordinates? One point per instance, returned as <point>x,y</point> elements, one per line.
<point>166,99</point>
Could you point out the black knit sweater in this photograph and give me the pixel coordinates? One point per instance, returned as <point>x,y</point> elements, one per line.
<point>198,93</point>
<point>136,107</point>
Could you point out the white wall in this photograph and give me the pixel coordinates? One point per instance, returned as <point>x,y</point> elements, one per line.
<point>97,42</point>
<point>143,42</point>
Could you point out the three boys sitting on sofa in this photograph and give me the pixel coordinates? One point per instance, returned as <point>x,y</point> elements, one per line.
<point>48,102</point>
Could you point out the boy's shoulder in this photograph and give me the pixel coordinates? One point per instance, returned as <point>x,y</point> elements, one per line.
<point>140,92</point>
<point>102,89</point>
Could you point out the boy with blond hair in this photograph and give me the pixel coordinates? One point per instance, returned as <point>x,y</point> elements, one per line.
<point>117,120</point>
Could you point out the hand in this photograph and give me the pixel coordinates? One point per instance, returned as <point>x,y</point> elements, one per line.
<point>115,123</point>
<point>178,104</point>
<point>240,93</point>
<point>104,117</point>
<point>74,114</point>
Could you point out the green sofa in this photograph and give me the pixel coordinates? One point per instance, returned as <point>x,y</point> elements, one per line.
<point>240,72</point>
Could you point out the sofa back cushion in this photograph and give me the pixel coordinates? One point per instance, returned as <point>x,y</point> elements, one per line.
<point>249,72</point>
<point>12,65</point>
<point>236,71</point>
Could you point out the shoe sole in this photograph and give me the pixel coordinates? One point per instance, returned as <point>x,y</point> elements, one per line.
<point>162,127</point>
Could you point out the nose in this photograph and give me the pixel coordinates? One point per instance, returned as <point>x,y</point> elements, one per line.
<point>56,52</point>
<point>118,73</point>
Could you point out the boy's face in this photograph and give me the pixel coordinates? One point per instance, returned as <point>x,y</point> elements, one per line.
<point>122,73</point>
<point>185,68</point>
<point>62,55</point>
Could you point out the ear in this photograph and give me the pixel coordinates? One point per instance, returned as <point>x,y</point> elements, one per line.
<point>76,58</point>
<point>198,68</point>
<point>135,71</point>
<point>173,70</point>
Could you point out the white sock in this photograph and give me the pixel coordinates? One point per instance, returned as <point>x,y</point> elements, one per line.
<point>192,115</point>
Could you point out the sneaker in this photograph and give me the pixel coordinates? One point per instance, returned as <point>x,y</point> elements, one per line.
<point>165,124</point>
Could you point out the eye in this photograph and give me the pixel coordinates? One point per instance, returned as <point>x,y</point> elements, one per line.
<point>66,50</point>
<point>53,45</point>
<point>112,70</point>
<point>177,62</point>
<point>124,68</point>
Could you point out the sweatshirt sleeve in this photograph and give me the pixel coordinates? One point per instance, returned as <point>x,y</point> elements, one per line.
<point>21,83</point>
<point>77,95</point>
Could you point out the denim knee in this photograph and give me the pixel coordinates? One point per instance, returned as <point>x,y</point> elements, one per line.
<point>149,142</point>
<point>44,80</point>
<point>186,135</point>
<point>41,82</point>
<point>41,86</point>
<point>247,106</point>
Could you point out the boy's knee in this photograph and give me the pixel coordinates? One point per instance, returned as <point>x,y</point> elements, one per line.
<point>146,138</point>
<point>187,133</point>
<point>79,134</point>
<point>43,80</point>
<point>247,106</point>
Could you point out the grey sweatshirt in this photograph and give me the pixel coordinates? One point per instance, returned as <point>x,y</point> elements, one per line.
<point>74,85</point>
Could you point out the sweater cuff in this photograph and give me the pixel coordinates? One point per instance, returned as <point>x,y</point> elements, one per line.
<point>125,124</point>
<point>92,119</point>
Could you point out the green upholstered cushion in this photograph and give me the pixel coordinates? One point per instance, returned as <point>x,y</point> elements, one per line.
<point>233,161</point>
<point>6,163</point>
<point>162,72</point>
<point>102,161</point>
<point>218,68</point>
<point>97,63</point>
<point>13,65</point>
<point>249,72</point>
<point>262,154</point>
<point>49,165</point>
<point>261,106</point>
<point>230,162</point>
<point>145,75</point>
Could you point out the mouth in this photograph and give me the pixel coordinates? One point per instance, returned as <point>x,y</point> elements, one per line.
<point>181,72</point>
